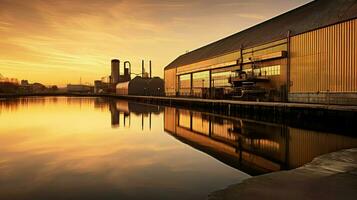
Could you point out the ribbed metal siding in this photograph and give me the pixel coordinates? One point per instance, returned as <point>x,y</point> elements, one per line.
<point>325,59</point>
<point>304,145</point>
<point>170,82</point>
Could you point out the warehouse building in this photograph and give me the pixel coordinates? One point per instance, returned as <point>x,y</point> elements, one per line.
<point>305,55</point>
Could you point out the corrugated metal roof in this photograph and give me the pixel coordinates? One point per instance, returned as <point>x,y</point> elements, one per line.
<point>311,16</point>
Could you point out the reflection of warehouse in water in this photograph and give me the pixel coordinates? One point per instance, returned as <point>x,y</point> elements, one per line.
<point>253,147</point>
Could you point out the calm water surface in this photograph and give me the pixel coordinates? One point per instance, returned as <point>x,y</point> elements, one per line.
<point>92,148</point>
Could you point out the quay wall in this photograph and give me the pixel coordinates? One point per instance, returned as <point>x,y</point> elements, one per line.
<point>335,118</point>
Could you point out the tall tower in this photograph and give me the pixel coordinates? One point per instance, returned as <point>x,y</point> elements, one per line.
<point>115,71</point>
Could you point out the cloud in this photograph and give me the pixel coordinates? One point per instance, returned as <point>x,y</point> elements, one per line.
<point>83,35</point>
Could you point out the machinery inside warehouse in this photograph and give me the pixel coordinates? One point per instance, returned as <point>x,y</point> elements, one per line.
<point>251,84</point>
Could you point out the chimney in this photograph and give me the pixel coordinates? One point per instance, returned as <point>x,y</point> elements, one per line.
<point>142,68</point>
<point>150,69</point>
<point>115,71</point>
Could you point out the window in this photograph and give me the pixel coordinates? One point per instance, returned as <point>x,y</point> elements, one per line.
<point>221,79</point>
<point>185,84</point>
<point>200,79</point>
<point>266,71</point>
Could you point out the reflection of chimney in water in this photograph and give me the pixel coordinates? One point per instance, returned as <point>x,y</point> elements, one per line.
<point>126,116</point>
<point>142,121</point>
<point>114,114</point>
<point>150,121</point>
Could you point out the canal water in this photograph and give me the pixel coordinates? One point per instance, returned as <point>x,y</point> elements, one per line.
<point>94,148</point>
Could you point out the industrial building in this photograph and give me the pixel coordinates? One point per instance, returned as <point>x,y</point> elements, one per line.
<point>144,85</point>
<point>308,55</point>
<point>108,84</point>
<point>115,76</point>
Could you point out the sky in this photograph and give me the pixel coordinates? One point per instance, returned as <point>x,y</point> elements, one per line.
<point>68,41</point>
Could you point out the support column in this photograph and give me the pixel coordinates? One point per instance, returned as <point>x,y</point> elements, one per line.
<point>191,117</point>
<point>191,84</point>
<point>210,85</point>
<point>241,57</point>
<point>288,67</point>
<point>178,86</point>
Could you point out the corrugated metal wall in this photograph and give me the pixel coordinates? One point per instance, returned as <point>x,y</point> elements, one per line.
<point>170,82</point>
<point>325,59</point>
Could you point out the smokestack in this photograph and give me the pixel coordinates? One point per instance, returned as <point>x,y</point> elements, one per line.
<point>115,71</point>
<point>142,68</point>
<point>150,69</point>
<point>125,66</point>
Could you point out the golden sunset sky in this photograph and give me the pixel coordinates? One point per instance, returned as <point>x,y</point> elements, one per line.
<point>59,41</point>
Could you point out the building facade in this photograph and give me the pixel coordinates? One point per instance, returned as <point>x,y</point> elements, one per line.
<point>305,55</point>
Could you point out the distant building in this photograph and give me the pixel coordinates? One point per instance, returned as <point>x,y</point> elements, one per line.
<point>24,82</point>
<point>101,87</point>
<point>38,87</point>
<point>79,88</point>
<point>142,87</point>
<point>54,88</point>
<point>8,87</point>
<point>97,86</point>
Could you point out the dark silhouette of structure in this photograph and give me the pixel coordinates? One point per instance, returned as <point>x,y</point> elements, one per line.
<point>142,86</point>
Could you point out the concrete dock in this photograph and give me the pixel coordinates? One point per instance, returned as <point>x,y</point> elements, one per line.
<point>330,176</point>
<point>332,118</point>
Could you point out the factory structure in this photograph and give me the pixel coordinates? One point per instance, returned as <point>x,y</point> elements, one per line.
<point>142,84</point>
<point>306,55</point>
